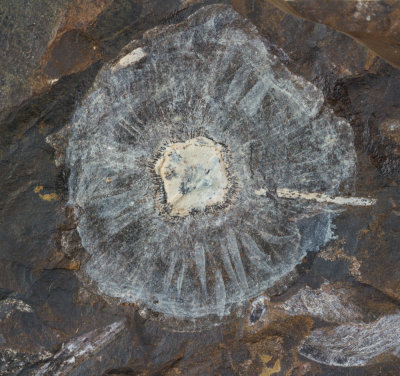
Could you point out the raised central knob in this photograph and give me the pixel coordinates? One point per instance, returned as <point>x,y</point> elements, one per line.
<point>194,175</point>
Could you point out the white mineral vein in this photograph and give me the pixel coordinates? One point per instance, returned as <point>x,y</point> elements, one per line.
<point>130,59</point>
<point>321,197</point>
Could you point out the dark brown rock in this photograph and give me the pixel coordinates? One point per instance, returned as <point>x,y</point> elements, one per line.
<point>374,24</point>
<point>45,306</point>
<point>43,42</point>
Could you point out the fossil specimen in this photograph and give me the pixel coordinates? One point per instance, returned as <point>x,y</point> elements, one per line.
<point>178,158</point>
<point>350,345</point>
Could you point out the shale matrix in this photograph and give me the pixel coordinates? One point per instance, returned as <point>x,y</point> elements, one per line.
<point>200,187</point>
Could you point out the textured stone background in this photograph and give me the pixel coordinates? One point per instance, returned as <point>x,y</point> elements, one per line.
<point>51,323</point>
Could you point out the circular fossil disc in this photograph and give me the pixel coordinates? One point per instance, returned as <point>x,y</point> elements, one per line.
<point>194,238</point>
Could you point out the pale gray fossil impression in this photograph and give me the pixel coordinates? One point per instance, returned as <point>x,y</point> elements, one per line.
<point>178,158</point>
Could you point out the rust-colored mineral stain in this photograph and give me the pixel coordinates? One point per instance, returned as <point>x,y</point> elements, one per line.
<point>38,189</point>
<point>47,196</point>
<point>267,371</point>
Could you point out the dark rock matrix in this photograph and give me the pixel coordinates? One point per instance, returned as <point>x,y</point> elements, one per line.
<point>199,187</point>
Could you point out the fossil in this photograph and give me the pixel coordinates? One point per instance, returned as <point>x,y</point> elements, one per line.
<point>353,345</point>
<point>176,156</point>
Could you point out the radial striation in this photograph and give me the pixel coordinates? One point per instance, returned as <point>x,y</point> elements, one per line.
<point>192,239</point>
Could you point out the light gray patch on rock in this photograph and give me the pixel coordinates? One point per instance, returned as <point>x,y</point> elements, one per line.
<point>351,345</point>
<point>79,349</point>
<point>10,305</point>
<point>12,361</point>
<point>326,303</point>
<point>210,76</point>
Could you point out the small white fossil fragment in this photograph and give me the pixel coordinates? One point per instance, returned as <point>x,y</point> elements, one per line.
<point>9,305</point>
<point>131,58</point>
<point>321,197</point>
<point>53,81</point>
<point>261,192</point>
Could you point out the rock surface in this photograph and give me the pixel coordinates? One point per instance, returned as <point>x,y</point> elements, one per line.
<point>374,24</point>
<point>211,75</point>
<point>334,310</point>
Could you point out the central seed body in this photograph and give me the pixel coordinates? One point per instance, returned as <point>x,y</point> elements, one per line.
<point>193,175</point>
